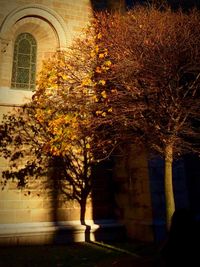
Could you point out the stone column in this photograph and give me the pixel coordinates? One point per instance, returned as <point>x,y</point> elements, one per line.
<point>133,193</point>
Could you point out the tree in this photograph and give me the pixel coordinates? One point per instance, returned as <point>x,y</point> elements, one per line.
<point>50,134</point>
<point>152,88</point>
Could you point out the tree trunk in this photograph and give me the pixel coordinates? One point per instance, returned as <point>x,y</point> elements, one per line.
<point>83,209</point>
<point>169,195</point>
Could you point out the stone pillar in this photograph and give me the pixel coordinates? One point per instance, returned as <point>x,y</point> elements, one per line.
<point>133,193</point>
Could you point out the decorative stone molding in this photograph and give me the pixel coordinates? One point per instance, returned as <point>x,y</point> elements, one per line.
<point>12,97</point>
<point>60,232</point>
<point>42,12</point>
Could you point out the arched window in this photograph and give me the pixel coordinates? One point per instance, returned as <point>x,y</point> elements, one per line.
<point>24,62</point>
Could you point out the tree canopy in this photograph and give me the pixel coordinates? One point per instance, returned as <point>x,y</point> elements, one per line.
<point>153,84</point>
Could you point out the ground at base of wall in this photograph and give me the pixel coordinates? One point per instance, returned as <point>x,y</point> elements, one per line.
<point>84,254</point>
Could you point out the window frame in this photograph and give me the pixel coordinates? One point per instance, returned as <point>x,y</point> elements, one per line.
<point>24,62</point>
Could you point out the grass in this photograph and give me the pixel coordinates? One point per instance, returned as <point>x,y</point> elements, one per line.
<point>71,255</point>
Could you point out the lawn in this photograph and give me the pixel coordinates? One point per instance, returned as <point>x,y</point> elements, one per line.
<point>71,255</point>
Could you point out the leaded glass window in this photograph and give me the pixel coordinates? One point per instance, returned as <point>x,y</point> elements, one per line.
<point>24,62</point>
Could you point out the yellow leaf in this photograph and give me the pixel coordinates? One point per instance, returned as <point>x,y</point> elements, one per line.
<point>104,95</point>
<point>92,54</point>
<point>65,77</point>
<point>102,82</point>
<point>97,48</point>
<point>95,98</point>
<point>101,55</point>
<point>98,70</point>
<point>99,35</point>
<point>107,63</point>
<point>86,81</point>
<point>87,145</point>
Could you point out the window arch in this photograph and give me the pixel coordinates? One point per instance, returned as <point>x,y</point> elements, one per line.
<point>24,62</point>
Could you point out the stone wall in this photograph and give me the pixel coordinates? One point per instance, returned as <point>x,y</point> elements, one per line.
<point>133,195</point>
<point>53,24</point>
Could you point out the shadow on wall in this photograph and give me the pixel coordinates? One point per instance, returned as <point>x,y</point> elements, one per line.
<point>102,226</point>
<point>65,195</point>
<point>104,205</point>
